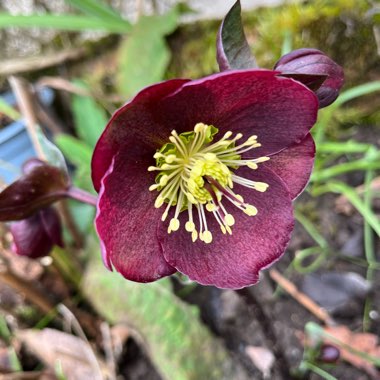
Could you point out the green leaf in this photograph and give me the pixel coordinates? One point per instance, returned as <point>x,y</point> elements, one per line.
<point>144,56</point>
<point>179,345</point>
<point>356,92</point>
<point>353,197</point>
<point>76,151</point>
<point>327,113</point>
<point>61,22</point>
<point>333,171</point>
<point>97,8</point>
<point>338,147</point>
<point>90,119</point>
<point>79,154</point>
<point>51,152</point>
<point>233,51</point>
<point>8,110</point>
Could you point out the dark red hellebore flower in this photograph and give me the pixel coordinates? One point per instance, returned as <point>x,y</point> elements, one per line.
<point>199,176</point>
<point>36,235</point>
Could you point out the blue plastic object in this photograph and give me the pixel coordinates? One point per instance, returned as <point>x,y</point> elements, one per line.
<point>15,144</point>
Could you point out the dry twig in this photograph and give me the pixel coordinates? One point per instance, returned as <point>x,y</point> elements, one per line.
<point>301,298</point>
<point>23,65</point>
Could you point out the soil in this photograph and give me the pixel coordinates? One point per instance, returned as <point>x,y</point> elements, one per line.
<point>259,316</point>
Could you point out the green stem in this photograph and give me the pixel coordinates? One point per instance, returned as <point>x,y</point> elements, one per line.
<point>368,240</point>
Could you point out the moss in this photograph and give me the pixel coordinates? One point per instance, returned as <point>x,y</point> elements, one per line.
<point>194,50</point>
<point>337,27</point>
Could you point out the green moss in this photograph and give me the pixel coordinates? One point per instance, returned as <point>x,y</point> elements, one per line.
<point>338,27</point>
<point>194,50</point>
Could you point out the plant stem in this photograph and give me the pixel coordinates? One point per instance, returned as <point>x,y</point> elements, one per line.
<point>82,196</point>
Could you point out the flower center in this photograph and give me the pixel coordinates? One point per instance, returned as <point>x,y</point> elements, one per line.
<point>198,176</point>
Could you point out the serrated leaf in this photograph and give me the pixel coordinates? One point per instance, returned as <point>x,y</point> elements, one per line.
<point>144,56</point>
<point>179,345</point>
<point>233,51</point>
<point>90,119</point>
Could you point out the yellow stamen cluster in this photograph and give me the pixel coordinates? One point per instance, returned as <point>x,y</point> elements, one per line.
<point>196,175</point>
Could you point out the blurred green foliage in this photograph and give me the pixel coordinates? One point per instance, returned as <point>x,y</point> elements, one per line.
<point>143,56</point>
<point>95,15</point>
<point>180,346</point>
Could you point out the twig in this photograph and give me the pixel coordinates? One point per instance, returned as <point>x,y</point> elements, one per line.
<point>18,66</point>
<point>26,104</point>
<point>61,84</point>
<point>32,375</point>
<point>302,298</point>
<point>109,352</point>
<point>31,294</point>
<point>47,120</point>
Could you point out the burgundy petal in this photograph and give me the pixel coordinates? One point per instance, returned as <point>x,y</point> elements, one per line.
<point>256,242</point>
<point>135,121</point>
<point>30,238</point>
<point>314,62</point>
<point>52,225</point>
<point>126,221</point>
<point>294,165</point>
<point>280,111</point>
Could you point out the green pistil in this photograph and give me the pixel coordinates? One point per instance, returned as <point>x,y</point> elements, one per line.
<point>195,173</point>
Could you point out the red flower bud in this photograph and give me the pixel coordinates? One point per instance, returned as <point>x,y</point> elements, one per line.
<point>305,64</point>
<point>35,236</point>
<point>329,354</point>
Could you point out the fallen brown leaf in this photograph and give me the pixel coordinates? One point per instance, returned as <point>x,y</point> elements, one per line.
<point>53,347</point>
<point>352,341</point>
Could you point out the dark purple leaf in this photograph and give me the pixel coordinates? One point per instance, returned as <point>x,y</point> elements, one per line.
<point>233,51</point>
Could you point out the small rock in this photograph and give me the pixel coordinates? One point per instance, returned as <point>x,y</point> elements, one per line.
<point>338,293</point>
<point>262,358</point>
<point>353,247</point>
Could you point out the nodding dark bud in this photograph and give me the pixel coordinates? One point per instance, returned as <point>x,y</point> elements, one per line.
<point>35,236</point>
<point>329,354</point>
<point>39,186</point>
<point>304,64</point>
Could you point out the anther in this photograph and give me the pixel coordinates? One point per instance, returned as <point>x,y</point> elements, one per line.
<point>250,210</point>
<point>173,225</point>
<point>229,220</point>
<point>159,202</point>
<point>164,180</point>
<point>207,237</point>
<point>190,226</point>
<point>261,186</point>
<point>170,159</point>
